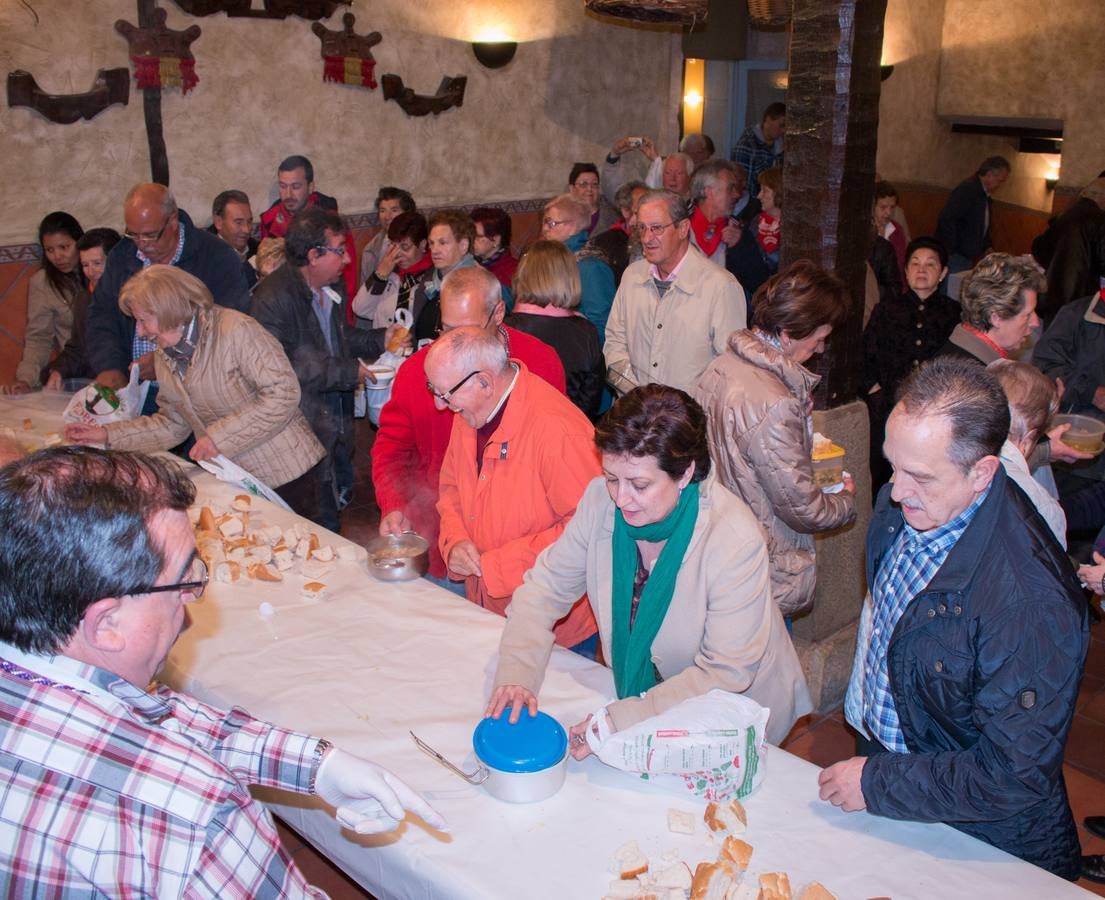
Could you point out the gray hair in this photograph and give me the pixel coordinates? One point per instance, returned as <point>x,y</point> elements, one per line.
<point>707,176</point>
<point>623,197</point>
<point>688,163</point>
<point>1032,397</point>
<point>146,190</point>
<point>996,286</point>
<point>677,206</point>
<point>969,397</point>
<point>470,349</point>
<point>695,142</point>
<point>474,280</point>
<point>572,207</point>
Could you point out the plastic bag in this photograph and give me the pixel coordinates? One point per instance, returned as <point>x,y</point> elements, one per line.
<point>96,405</point>
<point>230,472</point>
<point>377,394</point>
<point>712,745</point>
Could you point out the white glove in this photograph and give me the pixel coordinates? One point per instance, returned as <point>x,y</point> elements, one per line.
<point>368,798</point>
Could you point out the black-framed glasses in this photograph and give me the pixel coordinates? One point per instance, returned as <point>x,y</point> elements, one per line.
<point>654,230</point>
<point>444,398</point>
<point>147,237</point>
<point>196,586</point>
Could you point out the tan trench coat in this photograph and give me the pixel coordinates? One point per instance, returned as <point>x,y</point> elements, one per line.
<point>721,630</point>
<point>243,390</point>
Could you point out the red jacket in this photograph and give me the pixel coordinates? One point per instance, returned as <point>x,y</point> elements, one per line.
<point>413,436</point>
<point>536,466</point>
<point>275,221</point>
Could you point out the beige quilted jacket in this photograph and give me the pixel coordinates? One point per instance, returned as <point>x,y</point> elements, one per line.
<point>245,395</point>
<point>756,401</point>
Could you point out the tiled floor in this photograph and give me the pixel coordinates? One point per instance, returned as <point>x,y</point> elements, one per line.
<point>820,739</point>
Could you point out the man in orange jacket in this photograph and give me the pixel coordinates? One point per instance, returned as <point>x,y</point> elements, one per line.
<point>519,458</point>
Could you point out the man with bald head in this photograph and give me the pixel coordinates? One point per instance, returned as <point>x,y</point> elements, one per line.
<point>413,435</point>
<point>520,456</point>
<point>157,232</point>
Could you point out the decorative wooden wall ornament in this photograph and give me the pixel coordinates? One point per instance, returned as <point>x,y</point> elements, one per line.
<point>347,56</point>
<point>162,56</point>
<point>111,86</point>
<point>450,93</point>
<point>273,9</point>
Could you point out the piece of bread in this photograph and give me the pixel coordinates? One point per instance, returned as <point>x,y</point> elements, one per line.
<point>680,822</point>
<point>238,554</point>
<point>242,503</point>
<point>313,543</point>
<point>283,559</point>
<point>350,552</point>
<point>314,590</point>
<point>228,572</point>
<point>303,548</point>
<point>397,338</point>
<point>735,852</point>
<point>325,553</point>
<point>53,439</point>
<point>231,527</point>
<point>675,876</point>
<point>711,881</point>
<point>271,534</point>
<point>628,860</point>
<point>207,519</point>
<point>261,572</point>
<point>774,886</point>
<point>816,891</point>
<point>745,889</point>
<point>261,553</point>
<point>728,816</point>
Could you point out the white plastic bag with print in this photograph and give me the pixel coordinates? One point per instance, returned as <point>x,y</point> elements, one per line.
<point>712,746</point>
<point>230,472</point>
<point>96,405</point>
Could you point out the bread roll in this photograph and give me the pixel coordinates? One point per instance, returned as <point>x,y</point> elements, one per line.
<point>774,886</point>
<point>397,338</point>
<point>729,817</point>
<point>735,852</point>
<point>711,881</point>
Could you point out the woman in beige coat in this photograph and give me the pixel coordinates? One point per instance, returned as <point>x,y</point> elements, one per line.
<point>223,378</point>
<point>758,397</point>
<point>675,570</point>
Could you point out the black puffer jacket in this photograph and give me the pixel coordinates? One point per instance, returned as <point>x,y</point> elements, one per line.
<point>984,668</point>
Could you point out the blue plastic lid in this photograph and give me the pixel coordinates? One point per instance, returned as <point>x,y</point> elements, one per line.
<point>533,743</point>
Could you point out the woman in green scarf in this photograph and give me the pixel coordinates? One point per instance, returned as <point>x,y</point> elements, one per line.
<point>676,571</point>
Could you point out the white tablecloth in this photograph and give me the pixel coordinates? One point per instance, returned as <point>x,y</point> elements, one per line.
<point>377,660</point>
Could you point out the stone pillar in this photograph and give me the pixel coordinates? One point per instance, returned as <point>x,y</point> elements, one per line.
<point>828,191</point>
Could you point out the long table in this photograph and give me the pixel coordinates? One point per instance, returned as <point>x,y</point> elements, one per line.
<point>376,660</point>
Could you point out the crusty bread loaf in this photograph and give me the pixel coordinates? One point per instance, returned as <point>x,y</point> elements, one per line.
<point>735,852</point>
<point>711,881</point>
<point>816,891</point>
<point>397,338</point>
<point>729,817</point>
<point>774,886</point>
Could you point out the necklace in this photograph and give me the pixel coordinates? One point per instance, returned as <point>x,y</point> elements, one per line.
<point>16,671</point>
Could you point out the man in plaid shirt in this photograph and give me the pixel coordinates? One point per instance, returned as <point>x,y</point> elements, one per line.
<point>760,146</point>
<point>972,641</point>
<point>104,788</point>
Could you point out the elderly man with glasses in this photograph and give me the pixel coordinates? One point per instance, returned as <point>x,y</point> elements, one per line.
<point>674,310</point>
<point>520,456</point>
<point>156,232</point>
<point>109,789</point>
<point>414,433</point>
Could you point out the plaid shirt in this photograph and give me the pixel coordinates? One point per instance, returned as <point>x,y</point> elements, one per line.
<point>106,790</point>
<point>753,154</point>
<point>905,571</point>
<point>140,345</point>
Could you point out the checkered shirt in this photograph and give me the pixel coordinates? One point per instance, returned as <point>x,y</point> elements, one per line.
<point>145,798</point>
<point>755,155</point>
<point>913,560</point>
<point>141,345</point>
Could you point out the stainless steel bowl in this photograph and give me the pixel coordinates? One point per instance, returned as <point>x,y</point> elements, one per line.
<point>398,557</point>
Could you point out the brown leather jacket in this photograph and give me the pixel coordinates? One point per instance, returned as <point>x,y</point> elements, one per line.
<point>756,401</point>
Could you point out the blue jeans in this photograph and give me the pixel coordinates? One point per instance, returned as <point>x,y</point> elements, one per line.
<point>456,587</point>
<point>588,648</point>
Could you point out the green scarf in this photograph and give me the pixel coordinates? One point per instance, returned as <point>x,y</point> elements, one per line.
<point>633,670</point>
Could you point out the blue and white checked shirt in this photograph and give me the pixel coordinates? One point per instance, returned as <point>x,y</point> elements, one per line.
<point>907,569</point>
<point>140,345</point>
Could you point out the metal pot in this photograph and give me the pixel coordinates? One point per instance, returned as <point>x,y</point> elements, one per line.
<point>522,763</point>
<point>398,557</point>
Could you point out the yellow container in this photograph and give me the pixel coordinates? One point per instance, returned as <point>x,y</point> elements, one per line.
<point>828,465</point>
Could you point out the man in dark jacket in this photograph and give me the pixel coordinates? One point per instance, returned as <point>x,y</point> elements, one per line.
<point>303,304</point>
<point>972,639</point>
<point>157,233</point>
<point>964,222</point>
<point>1072,250</point>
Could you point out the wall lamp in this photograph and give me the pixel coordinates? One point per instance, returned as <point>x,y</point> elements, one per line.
<point>885,72</point>
<point>494,54</point>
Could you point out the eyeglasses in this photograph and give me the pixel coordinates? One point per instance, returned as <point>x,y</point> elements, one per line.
<point>654,230</point>
<point>337,251</point>
<point>444,398</point>
<point>445,329</point>
<point>195,586</point>
<point>553,223</point>
<point>147,237</point>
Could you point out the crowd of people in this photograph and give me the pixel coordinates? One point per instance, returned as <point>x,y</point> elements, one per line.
<point>607,441</point>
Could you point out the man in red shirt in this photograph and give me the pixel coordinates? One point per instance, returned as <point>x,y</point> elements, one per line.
<point>413,436</point>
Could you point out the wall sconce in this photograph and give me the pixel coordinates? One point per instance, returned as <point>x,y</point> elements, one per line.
<point>885,72</point>
<point>1052,183</point>
<point>693,99</point>
<point>494,54</point>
